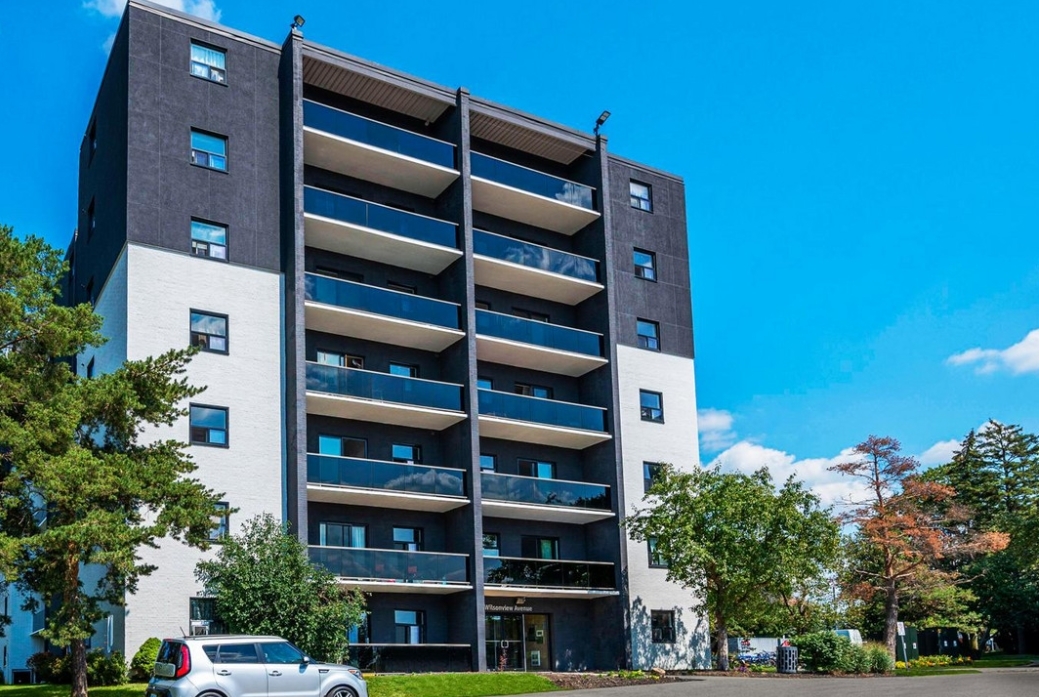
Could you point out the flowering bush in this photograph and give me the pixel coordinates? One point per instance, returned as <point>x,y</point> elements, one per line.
<point>935,662</point>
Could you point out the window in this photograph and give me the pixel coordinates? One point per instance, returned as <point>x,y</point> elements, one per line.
<point>360,633</point>
<point>342,446</point>
<point>342,535</point>
<point>237,653</point>
<point>491,544</point>
<point>208,425</point>
<point>650,472</point>
<point>645,265</point>
<point>209,331</point>
<point>656,557</point>
<point>281,652</point>
<point>208,63</point>
<point>90,371</point>
<point>208,150</point>
<point>407,453</point>
<point>537,468</point>
<point>652,404</point>
<point>530,314</point>
<point>209,240</point>
<point>90,291</point>
<point>407,539</point>
<point>403,369</point>
<point>533,547</point>
<point>340,360</point>
<point>641,196</point>
<point>533,390</point>
<point>663,625</point>
<point>401,287</point>
<point>485,383</point>
<point>410,626</point>
<point>223,522</point>
<point>481,305</point>
<point>648,334</point>
<point>91,220</point>
<point>488,463</point>
<point>203,618</point>
<point>92,139</point>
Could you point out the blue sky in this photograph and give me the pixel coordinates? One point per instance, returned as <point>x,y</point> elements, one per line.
<point>862,182</point>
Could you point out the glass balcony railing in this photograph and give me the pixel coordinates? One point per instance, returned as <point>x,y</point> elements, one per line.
<point>353,382</point>
<point>380,135</point>
<point>530,331</point>
<point>535,256</point>
<point>545,492</point>
<point>532,181</point>
<point>380,301</point>
<point>543,411</point>
<point>391,565</point>
<point>382,218</point>
<point>548,573</point>
<point>384,476</point>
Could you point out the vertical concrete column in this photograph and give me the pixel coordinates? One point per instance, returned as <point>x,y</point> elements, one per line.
<point>294,395</point>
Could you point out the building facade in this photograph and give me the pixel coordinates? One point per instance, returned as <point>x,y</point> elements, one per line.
<point>445,340</point>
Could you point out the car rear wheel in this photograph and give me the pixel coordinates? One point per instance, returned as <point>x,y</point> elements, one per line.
<point>341,691</point>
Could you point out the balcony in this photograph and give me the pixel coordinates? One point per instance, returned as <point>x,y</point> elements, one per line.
<point>395,571</point>
<point>535,420</point>
<point>342,142</point>
<point>535,198</point>
<point>358,228</point>
<point>351,393</point>
<point>554,500</point>
<point>527,343</point>
<point>530,269</point>
<point>362,482</point>
<point>547,578</point>
<point>388,316</point>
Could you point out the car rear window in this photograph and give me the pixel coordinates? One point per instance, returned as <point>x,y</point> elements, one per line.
<point>210,651</point>
<point>170,654</point>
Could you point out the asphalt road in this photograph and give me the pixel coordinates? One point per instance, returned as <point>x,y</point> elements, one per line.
<point>991,682</point>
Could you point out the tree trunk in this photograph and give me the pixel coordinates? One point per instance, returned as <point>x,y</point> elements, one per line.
<point>723,644</point>
<point>79,668</point>
<point>891,618</point>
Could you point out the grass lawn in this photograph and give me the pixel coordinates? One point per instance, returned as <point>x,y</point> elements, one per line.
<point>130,690</point>
<point>428,685</point>
<point>1003,660</point>
<point>454,685</point>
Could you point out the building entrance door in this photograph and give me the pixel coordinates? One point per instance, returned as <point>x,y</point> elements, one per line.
<point>517,642</point>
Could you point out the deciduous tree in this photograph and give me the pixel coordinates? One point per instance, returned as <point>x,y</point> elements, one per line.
<point>906,524</point>
<point>264,583</point>
<point>735,541</point>
<point>80,485</point>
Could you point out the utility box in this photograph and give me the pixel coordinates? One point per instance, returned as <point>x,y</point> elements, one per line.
<point>910,650</point>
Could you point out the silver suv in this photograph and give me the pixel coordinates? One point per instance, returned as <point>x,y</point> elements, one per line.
<point>247,666</point>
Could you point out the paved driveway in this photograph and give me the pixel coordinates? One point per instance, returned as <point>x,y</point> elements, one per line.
<point>992,682</point>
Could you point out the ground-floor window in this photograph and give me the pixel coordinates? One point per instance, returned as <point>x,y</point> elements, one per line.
<point>663,624</point>
<point>410,626</point>
<point>203,618</point>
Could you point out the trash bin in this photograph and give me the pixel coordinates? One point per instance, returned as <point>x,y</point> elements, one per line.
<point>786,659</point>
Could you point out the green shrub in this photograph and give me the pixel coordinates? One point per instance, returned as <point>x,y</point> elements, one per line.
<point>106,670</point>
<point>823,652</point>
<point>879,659</point>
<point>855,660</point>
<point>50,668</point>
<point>144,660</point>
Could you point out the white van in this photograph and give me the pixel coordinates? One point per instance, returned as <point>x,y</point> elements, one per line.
<point>852,635</point>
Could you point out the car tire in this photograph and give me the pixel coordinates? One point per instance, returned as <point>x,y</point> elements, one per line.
<point>341,691</point>
<point>209,694</point>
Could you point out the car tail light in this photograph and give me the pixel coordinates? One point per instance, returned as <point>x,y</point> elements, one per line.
<point>184,664</point>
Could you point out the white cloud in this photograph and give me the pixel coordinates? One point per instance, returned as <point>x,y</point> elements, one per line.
<point>715,428</point>
<point>830,487</point>
<point>1022,357</point>
<point>206,9</point>
<point>939,453</point>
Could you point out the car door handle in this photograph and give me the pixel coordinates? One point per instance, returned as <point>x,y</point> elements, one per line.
<point>275,673</point>
<point>223,672</point>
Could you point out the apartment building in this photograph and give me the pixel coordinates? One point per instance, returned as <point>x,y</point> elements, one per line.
<point>445,340</point>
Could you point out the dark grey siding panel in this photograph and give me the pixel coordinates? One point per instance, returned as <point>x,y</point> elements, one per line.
<point>663,232</point>
<point>166,102</point>
<point>103,178</point>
